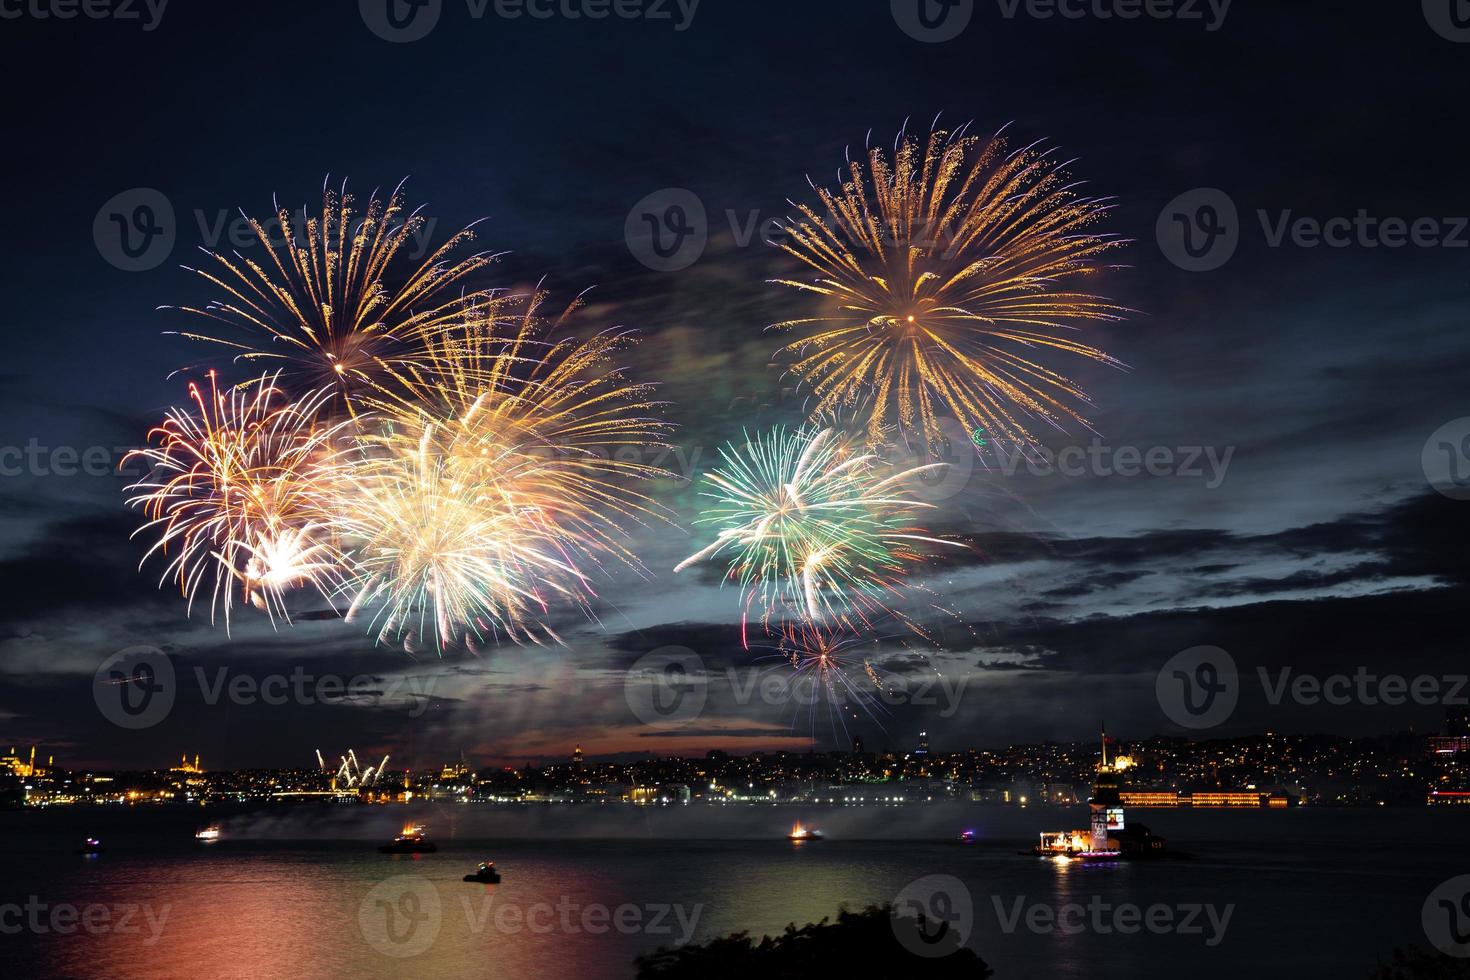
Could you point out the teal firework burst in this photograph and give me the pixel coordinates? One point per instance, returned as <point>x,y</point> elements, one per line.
<point>812,526</point>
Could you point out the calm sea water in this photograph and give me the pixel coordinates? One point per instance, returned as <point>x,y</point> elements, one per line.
<point>301,892</point>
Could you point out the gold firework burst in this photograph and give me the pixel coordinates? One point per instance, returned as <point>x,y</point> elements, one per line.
<point>339,300</point>
<point>495,481</point>
<point>946,270</point>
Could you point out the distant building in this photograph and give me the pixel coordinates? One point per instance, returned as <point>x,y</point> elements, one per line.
<point>14,765</point>
<point>1456,739</point>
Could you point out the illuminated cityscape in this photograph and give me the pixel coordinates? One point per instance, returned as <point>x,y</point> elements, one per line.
<point>1271,770</point>
<point>683,490</point>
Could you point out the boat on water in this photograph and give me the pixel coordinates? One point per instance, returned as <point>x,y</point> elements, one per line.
<point>967,837</point>
<point>411,841</point>
<point>800,834</point>
<point>90,846</point>
<point>485,874</point>
<point>207,835</point>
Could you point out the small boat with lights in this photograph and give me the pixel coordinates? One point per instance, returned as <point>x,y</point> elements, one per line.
<point>485,874</point>
<point>90,846</point>
<point>207,835</point>
<point>967,837</point>
<point>411,841</point>
<point>800,834</point>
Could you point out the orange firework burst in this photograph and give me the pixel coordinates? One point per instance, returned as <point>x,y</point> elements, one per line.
<point>338,300</point>
<point>233,493</point>
<point>946,268</point>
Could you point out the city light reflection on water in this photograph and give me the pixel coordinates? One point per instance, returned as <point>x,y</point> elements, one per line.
<point>266,909</point>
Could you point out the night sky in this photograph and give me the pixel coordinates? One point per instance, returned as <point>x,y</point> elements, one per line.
<point>1315,375</point>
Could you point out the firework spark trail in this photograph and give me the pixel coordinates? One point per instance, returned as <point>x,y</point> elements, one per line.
<point>825,662</point>
<point>811,526</point>
<point>490,490</point>
<point>338,310</point>
<point>946,268</point>
<point>233,492</point>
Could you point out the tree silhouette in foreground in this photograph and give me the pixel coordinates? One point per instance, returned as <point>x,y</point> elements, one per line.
<point>871,943</point>
<point>1414,963</point>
